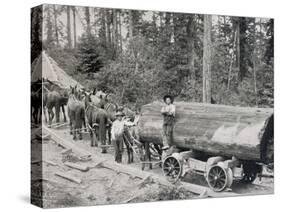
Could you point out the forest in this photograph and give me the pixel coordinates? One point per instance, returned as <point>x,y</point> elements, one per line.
<point>139,56</point>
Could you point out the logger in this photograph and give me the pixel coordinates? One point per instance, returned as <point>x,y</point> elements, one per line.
<point>223,143</point>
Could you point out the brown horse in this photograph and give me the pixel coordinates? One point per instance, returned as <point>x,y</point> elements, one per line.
<point>55,97</point>
<point>36,102</point>
<point>97,120</point>
<point>76,113</point>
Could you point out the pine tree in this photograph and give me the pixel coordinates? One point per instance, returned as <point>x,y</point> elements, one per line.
<point>90,55</point>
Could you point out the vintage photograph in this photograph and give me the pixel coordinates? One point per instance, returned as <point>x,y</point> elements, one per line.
<point>131,106</point>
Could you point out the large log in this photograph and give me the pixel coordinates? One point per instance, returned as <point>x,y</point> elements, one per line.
<point>216,129</point>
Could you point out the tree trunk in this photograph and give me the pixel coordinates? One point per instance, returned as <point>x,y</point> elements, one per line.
<point>49,25</point>
<point>207,59</point>
<point>242,48</point>
<point>120,31</point>
<point>231,61</point>
<point>88,21</point>
<point>103,26</point>
<point>115,31</point>
<point>74,27</point>
<point>69,43</point>
<point>191,35</point>
<point>108,31</point>
<point>131,27</point>
<point>56,24</point>
<point>254,58</point>
<point>238,47</point>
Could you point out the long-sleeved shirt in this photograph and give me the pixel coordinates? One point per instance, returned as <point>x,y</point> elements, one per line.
<point>118,128</point>
<point>169,113</point>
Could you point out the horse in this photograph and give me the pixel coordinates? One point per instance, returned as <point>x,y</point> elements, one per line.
<point>36,102</point>
<point>145,149</point>
<point>57,98</point>
<point>97,121</point>
<point>111,110</point>
<point>129,113</point>
<point>76,113</point>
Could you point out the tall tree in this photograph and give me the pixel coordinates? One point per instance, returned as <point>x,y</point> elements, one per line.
<point>254,59</point>
<point>207,59</point>
<point>36,31</point>
<point>131,26</point>
<point>242,48</point>
<point>69,43</point>
<point>74,27</point>
<point>191,53</point>
<point>115,31</point>
<point>55,11</point>
<point>108,27</point>
<point>49,26</point>
<point>119,26</point>
<point>88,21</point>
<point>269,53</point>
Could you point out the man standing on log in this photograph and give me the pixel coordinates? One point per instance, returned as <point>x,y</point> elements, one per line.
<point>168,112</point>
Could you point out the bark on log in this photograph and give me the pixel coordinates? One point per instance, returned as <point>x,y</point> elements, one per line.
<point>214,129</point>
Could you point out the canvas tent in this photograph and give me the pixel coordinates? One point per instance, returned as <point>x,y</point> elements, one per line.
<point>45,67</point>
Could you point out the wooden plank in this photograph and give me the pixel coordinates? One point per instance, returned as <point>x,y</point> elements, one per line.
<point>77,166</point>
<point>68,177</point>
<point>59,125</point>
<point>67,144</point>
<point>50,162</point>
<point>123,169</point>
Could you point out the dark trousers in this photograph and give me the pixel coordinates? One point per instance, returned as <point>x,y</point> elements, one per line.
<point>167,134</point>
<point>118,147</point>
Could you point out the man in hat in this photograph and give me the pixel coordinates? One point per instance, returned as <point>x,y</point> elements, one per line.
<point>117,134</point>
<point>168,112</point>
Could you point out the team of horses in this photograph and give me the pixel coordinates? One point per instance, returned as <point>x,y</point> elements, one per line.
<point>87,110</point>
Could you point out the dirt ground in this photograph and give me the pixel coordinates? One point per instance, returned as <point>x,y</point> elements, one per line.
<point>101,186</point>
<point>98,186</point>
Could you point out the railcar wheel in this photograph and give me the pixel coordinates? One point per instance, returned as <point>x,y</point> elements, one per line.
<point>172,168</point>
<point>219,178</point>
<point>250,173</point>
<point>249,177</point>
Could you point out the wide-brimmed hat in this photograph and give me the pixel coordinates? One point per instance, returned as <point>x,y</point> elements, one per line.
<point>119,113</point>
<point>168,96</point>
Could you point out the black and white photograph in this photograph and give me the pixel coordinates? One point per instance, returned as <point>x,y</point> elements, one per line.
<point>133,106</point>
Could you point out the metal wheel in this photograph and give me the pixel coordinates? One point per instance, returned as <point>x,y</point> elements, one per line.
<point>219,178</point>
<point>249,177</point>
<point>250,173</point>
<point>172,168</point>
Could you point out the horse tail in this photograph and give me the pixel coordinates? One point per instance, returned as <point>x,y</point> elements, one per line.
<point>102,121</point>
